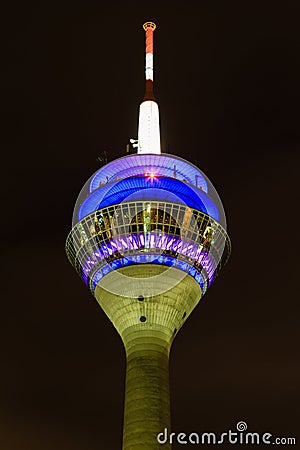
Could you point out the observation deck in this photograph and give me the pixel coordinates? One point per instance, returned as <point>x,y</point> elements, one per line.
<point>148,233</point>
<point>148,209</point>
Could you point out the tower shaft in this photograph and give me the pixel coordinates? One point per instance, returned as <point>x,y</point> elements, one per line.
<point>147,304</point>
<point>147,396</point>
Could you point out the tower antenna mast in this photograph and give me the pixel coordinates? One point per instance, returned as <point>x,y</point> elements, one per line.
<point>148,130</point>
<point>149,28</point>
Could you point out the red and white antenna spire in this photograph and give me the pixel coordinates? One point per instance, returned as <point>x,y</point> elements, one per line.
<point>148,132</point>
<point>149,28</point>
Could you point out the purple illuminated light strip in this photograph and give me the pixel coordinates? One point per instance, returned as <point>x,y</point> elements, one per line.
<point>159,242</point>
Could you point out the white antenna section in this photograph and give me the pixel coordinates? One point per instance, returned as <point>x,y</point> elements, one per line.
<point>148,130</point>
<point>148,134</point>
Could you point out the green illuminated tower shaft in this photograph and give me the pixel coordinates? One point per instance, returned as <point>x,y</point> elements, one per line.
<point>147,323</point>
<point>147,396</point>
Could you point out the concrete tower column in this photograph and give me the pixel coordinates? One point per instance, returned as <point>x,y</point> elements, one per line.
<point>147,304</point>
<point>147,394</point>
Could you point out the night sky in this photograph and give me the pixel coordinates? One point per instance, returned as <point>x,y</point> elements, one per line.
<point>227,77</point>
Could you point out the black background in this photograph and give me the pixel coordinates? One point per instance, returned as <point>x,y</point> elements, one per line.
<point>227,79</point>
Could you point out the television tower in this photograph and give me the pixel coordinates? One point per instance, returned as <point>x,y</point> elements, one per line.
<point>148,239</point>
